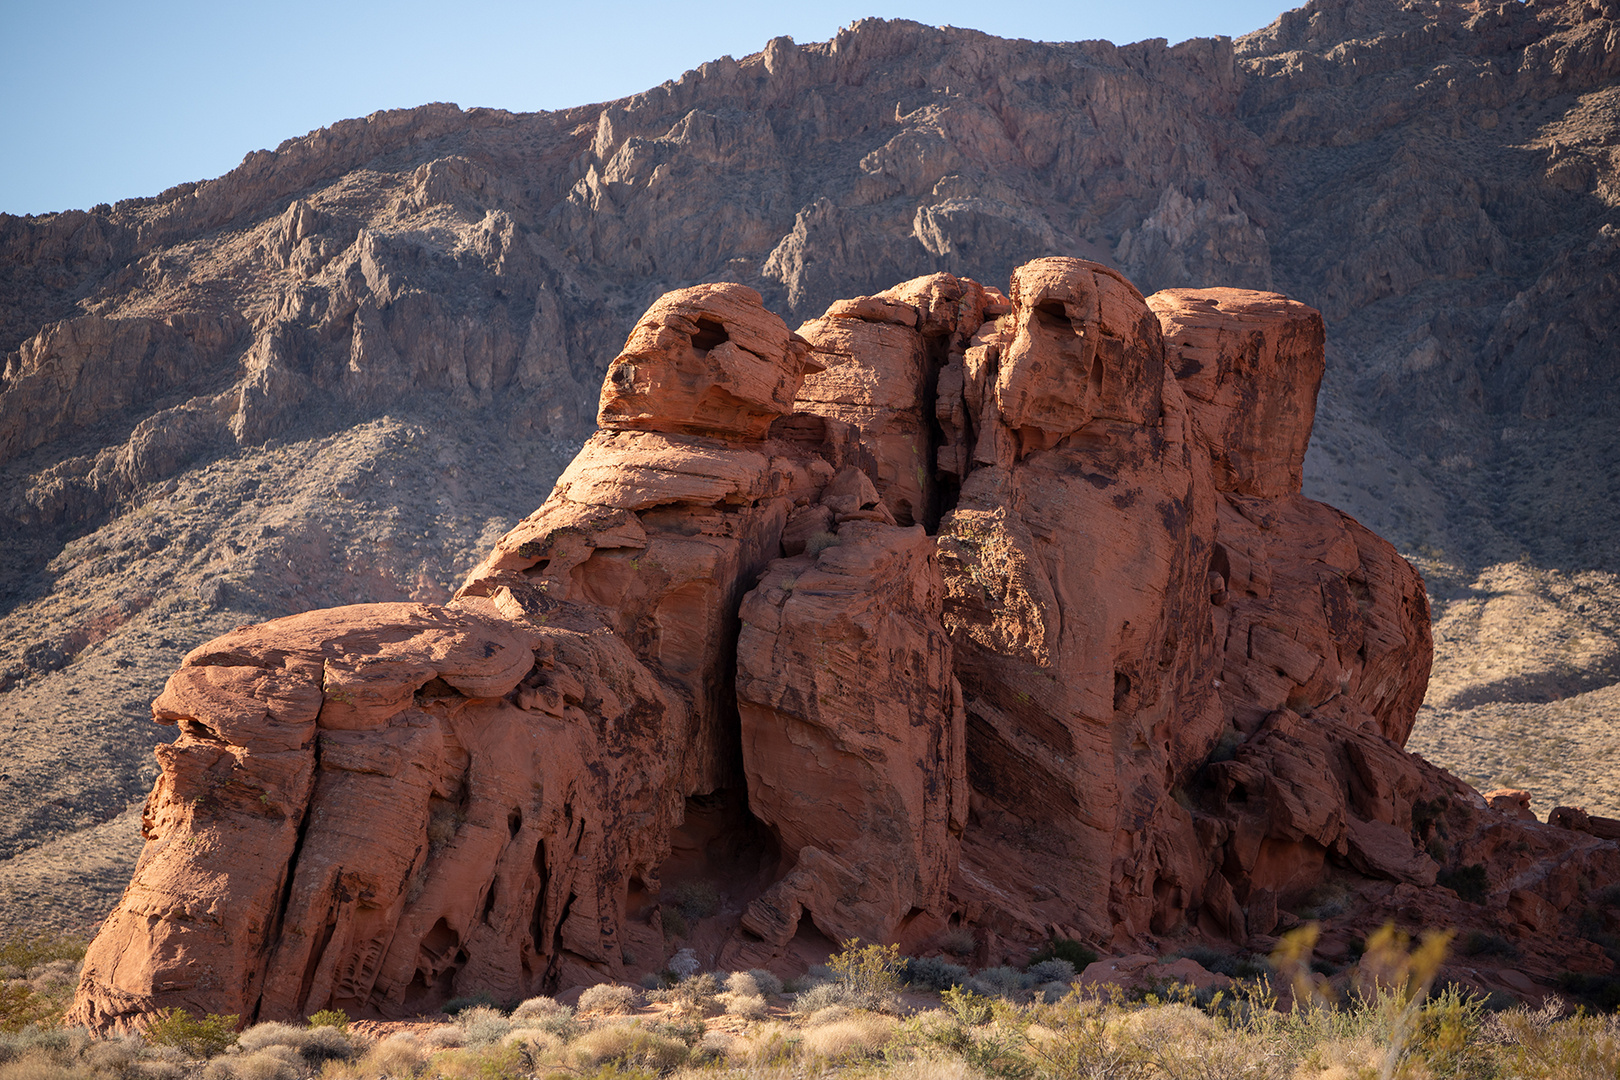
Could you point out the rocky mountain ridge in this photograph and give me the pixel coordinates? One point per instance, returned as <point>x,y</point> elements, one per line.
<point>371,350</point>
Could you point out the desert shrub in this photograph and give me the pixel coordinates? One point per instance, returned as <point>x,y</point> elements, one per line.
<point>457,1005</point>
<point>21,1007</point>
<point>763,1046</point>
<point>821,996</point>
<point>768,983</point>
<point>333,1018</point>
<point>958,940</point>
<point>38,973</point>
<point>1053,991</point>
<point>314,1045</point>
<point>748,1006</point>
<point>933,973</point>
<point>1602,991</point>
<point>742,982</point>
<point>1057,948</point>
<point>674,924</point>
<point>399,1055</point>
<point>1537,1044</point>
<point>269,1033</point>
<point>1054,970</point>
<point>852,1036</point>
<point>537,1043</point>
<point>695,899</point>
<point>444,1037</point>
<point>867,975</point>
<point>1228,964</point>
<point>1000,982</point>
<point>537,1008</point>
<point>271,1063</point>
<point>57,1044</point>
<point>482,1026</point>
<point>684,964</point>
<point>197,1038</point>
<point>693,995</point>
<point>626,1045</point>
<point>493,1062</point>
<point>607,998</point>
<point>21,953</point>
<point>1468,882</point>
<point>37,1067</point>
<point>743,996</point>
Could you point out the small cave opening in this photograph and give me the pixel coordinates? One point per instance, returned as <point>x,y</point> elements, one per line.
<point>1122,689</point>
<point>710,333</point>
<point>1053,315</point>
<point>721,858</point>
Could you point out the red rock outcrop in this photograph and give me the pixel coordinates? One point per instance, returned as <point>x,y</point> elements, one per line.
<point>863,779</point>
<point>1019,620</point>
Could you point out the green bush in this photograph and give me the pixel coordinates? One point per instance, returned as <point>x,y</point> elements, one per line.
<point>24,951</point>
<point>869,974</point>
<point>933,973</point>
<point>197,1038</point>
<point>334,1018</point>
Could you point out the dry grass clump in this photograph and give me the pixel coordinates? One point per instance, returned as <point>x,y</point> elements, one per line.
<point>608,998</point>
<point>482,1026</point>
<point>538,1008</point>
<point>629,1046</point>
<point>399,1055</point>
<point>846,1037</point>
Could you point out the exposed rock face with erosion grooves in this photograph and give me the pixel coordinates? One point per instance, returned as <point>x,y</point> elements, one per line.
<point>986,610</point>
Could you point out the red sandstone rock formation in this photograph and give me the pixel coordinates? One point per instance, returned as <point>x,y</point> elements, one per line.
<point>1020,620</point>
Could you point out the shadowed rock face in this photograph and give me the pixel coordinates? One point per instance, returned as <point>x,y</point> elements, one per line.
<point>1004,610</point>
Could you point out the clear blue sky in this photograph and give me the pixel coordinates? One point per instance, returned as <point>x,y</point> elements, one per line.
<point>101,101</point>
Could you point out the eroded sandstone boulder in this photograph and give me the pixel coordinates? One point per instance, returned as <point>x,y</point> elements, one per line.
<point>852,734</point>
<point>1004,612</point>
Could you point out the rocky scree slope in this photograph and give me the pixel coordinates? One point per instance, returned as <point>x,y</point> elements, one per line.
<point>983,611</point>
<point>371,349</point>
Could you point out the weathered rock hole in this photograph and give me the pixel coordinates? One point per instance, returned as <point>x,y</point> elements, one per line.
<point>1052,315</point>
<point>489,903</point>
<point>435,688</point>
<point>710,333</point>
<point>1122,689</point>
<point>514,823</point>
<point>1096,377</point>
